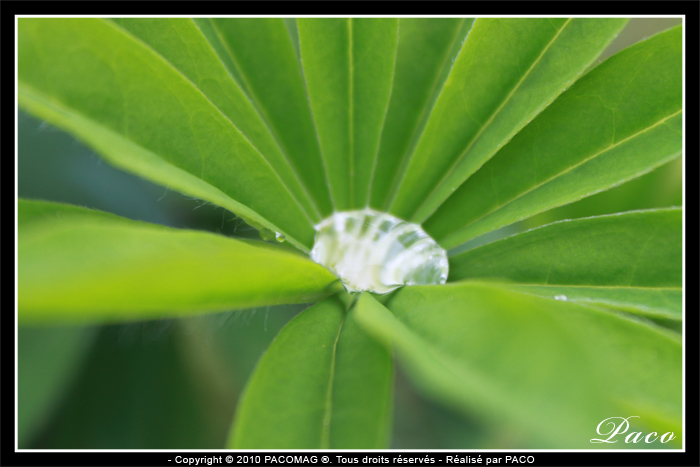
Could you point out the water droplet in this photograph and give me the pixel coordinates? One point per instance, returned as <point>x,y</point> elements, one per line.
<point>563,298</point>
<point>266,234</point>
<point>377,252</point>
<point>280,237</point>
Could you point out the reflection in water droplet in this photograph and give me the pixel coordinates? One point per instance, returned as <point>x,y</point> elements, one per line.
<point>563,298</point>
<point>280,237</point>
<point>377,252</point>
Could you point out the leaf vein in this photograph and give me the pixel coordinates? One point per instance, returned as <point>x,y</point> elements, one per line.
<point>328,411</point>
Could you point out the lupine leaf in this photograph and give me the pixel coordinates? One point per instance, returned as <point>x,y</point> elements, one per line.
<point>323,383</point>
<point>660,188</point>
<point>537,363</point>
<point>76,264</point>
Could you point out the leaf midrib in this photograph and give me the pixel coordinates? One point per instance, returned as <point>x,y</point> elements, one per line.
<point>483,128</point>
<point>351,112</point>
<point>328,411</point>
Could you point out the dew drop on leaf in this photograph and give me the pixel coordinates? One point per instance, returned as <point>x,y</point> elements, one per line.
<point>280,237</point>
<point>267,234</point>
<point>377,252</point>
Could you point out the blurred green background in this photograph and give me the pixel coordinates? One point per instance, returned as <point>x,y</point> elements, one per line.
<point>175,383</point>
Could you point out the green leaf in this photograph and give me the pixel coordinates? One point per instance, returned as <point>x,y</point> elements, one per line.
<point>76,264</point>
<point>621,120</point>
<point>631,261</point>
<point>425,55</point>
<point>323,383</point>
<point>660,188</point>
<point>95,80</point>
<point>507,71</point>
<point>262,55</point>
<point>664,302</point>
<point>554,368</point>
<point>349,65</point>
<point>47,360</point>
<point>182,44</point>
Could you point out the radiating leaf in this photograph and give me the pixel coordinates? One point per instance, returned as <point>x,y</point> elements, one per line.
<point>660,188</point>
<point>183,45</point>
<point>557,368</point>
<point>76,264</point>
<point>323,383</point>
<point>47,360</point>
<point>348,65</point>
<point>425,55</point>
<point>631,261</point>
<point>507,71</point>
<point>620,121</point>
<point>261,53</point>
<point>96,81</point>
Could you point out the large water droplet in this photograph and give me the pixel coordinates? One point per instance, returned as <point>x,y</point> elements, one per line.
<point>280,237</point>
<point>377,252</point>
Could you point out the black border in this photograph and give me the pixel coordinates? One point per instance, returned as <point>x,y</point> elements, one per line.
<point>8,456</point>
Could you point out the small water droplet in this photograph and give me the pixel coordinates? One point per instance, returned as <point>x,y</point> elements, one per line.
<point>280,237</point>
<point>266,234</point>
<point>563,298</point>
